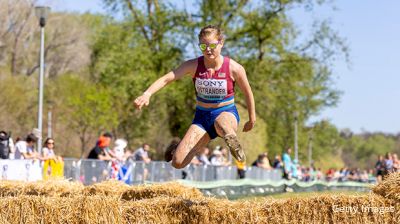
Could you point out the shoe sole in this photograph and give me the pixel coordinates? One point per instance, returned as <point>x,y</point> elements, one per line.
<point>234,146</point>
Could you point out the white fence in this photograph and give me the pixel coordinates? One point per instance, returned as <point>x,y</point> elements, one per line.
<point>91,171</point>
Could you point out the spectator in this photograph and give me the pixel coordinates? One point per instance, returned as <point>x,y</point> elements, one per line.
<point>203,157</point>
<point>295,170</point>
<point>195,161</point>
<point>364,176</point>
<point>212,155</point>
<point>141,154</point>
<point>118,151</point>
<point>263,161</point>
<point>278,164</point>
<point>101,150</point>
<point>226,156</point>
<point>169,152</point>
<point>241,168</point>
<point>217,159</point>
<point>6,145</point>
<point>380,168</point>
<point>25,149</point>
<point>396,163</point>
<point>388,165</point>
<point>337,175</point>
<point>319,174</point>
<point>287,164</point>
<point>330,174</point>
<point>48,151</point>
<point>307,174</point>
<point>353,175</point>
<point>346,173</point>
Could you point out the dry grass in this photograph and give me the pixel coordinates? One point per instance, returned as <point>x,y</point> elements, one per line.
<point>114,202</point>
<point>172,189</point>
<point>390,187</point>
<point>110,188</point>
<point>61,188</point>
<point>37,209</point>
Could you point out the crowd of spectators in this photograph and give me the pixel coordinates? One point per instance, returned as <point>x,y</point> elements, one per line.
<point>220,156</point>
<point>293,170</point>
<point>386,164</point>
<point>24,148</point>
<point>119,152</point>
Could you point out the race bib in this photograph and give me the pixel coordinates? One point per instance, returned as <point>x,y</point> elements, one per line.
<point>211,89</point>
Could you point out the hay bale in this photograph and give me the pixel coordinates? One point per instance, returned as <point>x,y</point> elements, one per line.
<point>171,189</point>
<point>39,209</point>
<point>325,209</point>
<point>390,187</point>
<point>62,188</point>
<point>180,210</point>
<point>332,209</point>
<point>112,188</point>
<point>115,202</point>
<point>11,188</point>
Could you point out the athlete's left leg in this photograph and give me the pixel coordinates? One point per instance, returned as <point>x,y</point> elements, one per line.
<point>226,126</point>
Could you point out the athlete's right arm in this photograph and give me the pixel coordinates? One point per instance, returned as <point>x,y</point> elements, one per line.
<point>188,67</point>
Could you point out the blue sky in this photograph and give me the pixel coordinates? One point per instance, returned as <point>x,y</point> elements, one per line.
<point>370,84</point>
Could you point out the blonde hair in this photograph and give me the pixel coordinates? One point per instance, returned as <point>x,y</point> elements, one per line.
<point>211,30</point>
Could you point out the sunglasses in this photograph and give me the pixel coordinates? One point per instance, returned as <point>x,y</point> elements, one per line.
<point>50,143</point>
<point>203,46</point>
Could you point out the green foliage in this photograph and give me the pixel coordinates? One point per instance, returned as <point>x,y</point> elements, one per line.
<point>363,150</point>
<point>87,108</point>
<point>18,106</point>
<point>326,140</point>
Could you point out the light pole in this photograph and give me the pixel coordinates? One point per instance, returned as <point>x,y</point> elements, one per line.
<point>49,119</point>
<point>310,149</point>
<point>41,13</point>
<point>296,148</point>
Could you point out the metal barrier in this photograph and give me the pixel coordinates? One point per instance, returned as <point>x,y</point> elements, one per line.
<point>257,173</point>
<point>90,171</point>
<point>209,173</point>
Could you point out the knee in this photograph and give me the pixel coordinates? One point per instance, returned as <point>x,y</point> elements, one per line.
<point>177,164</point>
<point>223,129</point>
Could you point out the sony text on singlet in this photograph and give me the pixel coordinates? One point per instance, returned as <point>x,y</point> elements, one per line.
<point>211,88</point>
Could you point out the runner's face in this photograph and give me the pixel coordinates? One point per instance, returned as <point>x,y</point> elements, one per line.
<point>210,42</point>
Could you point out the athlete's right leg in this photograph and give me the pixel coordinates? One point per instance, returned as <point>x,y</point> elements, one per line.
<point>193,141</point>
<point>226,125</point>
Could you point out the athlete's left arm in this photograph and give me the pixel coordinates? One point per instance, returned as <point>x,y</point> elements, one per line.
<point>239,74</point>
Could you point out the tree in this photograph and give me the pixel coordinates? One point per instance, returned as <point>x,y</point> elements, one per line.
<point>287,75</point>
<point>87,109</point>
<point>66,45</point>
<point>18,107</point>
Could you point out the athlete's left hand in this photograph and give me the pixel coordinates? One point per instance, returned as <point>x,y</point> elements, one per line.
<point>248,126</point>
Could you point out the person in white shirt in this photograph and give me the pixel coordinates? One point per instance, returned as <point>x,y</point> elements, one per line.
<point>141,154</point>
<point>217,159</point>
<point>203,157</point>
<point>25,149</point>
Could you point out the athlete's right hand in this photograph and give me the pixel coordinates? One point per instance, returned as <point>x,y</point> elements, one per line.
<point>142,100</point>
